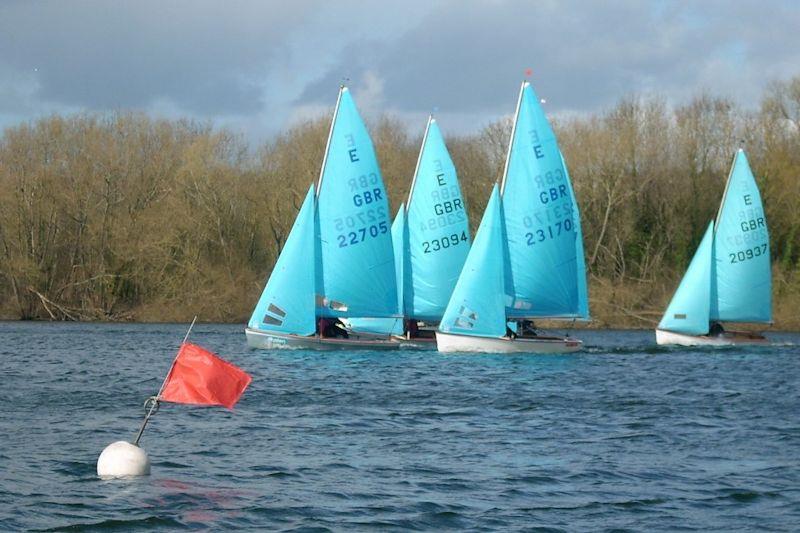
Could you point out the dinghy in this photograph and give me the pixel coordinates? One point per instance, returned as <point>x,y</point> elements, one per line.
<point>528,264</point>
<point>338,259</point>
<point>729,278</point>
<point>431,240</point>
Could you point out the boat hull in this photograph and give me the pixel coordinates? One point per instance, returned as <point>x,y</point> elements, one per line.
<point>729,338</point>
<point>417,343</point>
<point>449,342</point>
<point>270,340</point>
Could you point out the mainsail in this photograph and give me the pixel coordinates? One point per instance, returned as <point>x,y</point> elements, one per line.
<point>742,285</point>
<point>546,272</point>
<point>356,273</point>
<point>438,238</point>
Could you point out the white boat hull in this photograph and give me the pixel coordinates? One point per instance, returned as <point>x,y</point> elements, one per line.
<point>416,343</point>
<point>730,338</point>
<point>270,340</point>
<point>449,342</point>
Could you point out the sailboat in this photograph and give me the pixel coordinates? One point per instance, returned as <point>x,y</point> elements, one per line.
<point>526,262</point>
<point>431,240</point>
<point>729,277</point>
<point>338,258</point>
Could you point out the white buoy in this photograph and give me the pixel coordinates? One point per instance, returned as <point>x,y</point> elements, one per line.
<point>123,459</point>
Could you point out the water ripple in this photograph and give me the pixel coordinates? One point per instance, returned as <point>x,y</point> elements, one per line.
<point>625,436</point>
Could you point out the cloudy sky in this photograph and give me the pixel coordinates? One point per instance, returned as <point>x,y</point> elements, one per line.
<point>257,66</point>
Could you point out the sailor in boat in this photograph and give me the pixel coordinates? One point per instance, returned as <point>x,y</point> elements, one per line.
<point>528,329</point>
<point>716,330</point>
<point>331,328</point>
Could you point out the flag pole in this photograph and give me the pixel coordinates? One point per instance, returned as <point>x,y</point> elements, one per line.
<point>154,404</point>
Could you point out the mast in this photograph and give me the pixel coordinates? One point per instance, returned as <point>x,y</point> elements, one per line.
<point>419,160</point>
<point>511,141</point>
<point>725,194</point>
<point>342,89</point>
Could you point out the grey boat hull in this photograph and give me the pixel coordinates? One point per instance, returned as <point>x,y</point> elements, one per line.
<point>270,340</point>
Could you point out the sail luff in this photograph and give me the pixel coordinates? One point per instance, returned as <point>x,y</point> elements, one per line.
<point>419,160</point>
<point>342,88</point>
<point>511,140</point>
<point>725,192</point>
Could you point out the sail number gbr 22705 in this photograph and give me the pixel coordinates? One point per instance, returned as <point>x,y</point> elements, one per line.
<point>434,245</point>
<point>360,235</point>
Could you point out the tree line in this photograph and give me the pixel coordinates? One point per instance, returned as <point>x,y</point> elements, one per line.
<point>121,216</point>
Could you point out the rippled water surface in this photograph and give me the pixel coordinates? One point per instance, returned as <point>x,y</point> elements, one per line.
<point>624,435</point>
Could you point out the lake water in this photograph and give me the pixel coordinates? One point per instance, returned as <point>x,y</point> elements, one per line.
<point>624,435</point>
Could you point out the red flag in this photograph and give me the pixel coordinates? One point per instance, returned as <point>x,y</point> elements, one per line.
<point>200,377</point>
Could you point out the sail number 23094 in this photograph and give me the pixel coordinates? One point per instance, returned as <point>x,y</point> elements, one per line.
<point>434,245</point>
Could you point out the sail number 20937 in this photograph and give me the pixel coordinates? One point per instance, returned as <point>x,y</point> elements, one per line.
<point>361,234</point>
<point>434,245</point>
<point>744,255</point>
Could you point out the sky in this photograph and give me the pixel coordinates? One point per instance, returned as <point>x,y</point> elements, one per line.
<point>257,67</point>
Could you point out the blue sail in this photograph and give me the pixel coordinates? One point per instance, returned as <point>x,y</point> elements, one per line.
<point>287,302</point>
<point>357,275</point>
<point>742,281</point>
<point>399,245</point>
<point>541,221</point>
<point>438,230</point>
<point>583,290</point>
<point>477,306</point>
<point>689,309</point>
<point>390,326</point>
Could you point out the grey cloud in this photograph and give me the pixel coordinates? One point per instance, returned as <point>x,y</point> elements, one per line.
<point>206,56</point>
<point>258,64</point>
<point>470,56</point>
